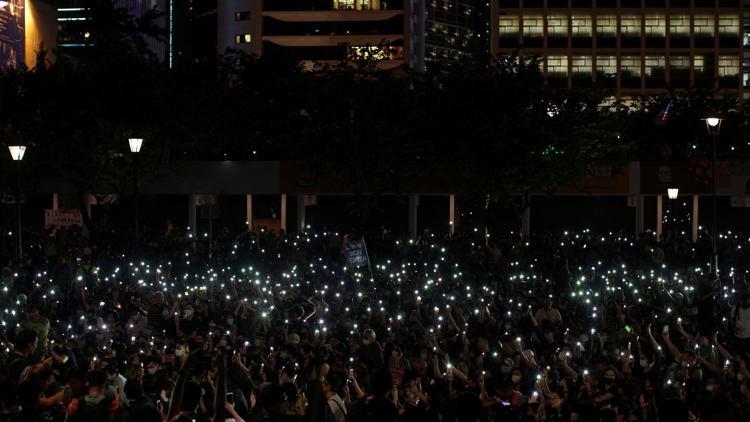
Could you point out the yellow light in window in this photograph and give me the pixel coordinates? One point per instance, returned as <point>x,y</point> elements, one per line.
<point>606,26</point>
<point>581,25</point>
<point>679,25</point>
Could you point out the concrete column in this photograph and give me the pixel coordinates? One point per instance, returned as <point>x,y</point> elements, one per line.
<point>413,204</point>
<point>283,211</point>
<point>452,214</point>
<point>55,201</point>
<point>193,214</point>
<point>659,216</point>
<point>694,219</point>
<point>249,211</point>
<point>301,213</point>
<point>640,207</point>
<point>526,218</point>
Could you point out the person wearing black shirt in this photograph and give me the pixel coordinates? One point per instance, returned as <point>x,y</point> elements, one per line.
<point>26,341</point>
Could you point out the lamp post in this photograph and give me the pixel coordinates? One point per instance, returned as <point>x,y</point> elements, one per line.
<point>672,194</point>
<point>713,125</point>
<point>135,147</point>
<point>16,153</point>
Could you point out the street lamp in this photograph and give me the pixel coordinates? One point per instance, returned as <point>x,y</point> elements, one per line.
<point>135,147</point>
<point>16,153</point>
<point>135,144</point>
<point>713,125</point>
<point>672,193</point>
<point>3,3</point>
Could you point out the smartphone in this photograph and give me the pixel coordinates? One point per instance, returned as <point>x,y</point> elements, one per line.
<point>628,329</point>
<point>230,398</point>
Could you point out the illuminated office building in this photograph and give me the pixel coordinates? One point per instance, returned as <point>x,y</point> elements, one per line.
<point>635,46</point>
<point>395,32</point>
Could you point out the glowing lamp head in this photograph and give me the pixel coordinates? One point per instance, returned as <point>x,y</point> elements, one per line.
<point>17,152</point>
<point>135,144</point>
<point>672,193</point>
<point>713,125</point>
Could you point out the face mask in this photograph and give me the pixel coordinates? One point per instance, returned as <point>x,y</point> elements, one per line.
<point>223,343</point>
<point>508,327</point>
<point>230,321</point>
<point>188,313</point>
<point>178,353</point>
<point>505,370</point>
<point>283,355</point>
<point>516,379</point>
<point>644,363</point>
<point>151,371</point>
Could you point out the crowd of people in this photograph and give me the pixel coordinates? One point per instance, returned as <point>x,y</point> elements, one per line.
<point>468,327</point>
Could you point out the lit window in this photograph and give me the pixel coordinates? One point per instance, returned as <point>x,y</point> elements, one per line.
<point>655,65</point>
<point>630,66</point>
<point>241,16</point>
<point>729,25</point>
<point>557,65</point>
<point>679,25</point>
<point>679,61</point>
<point>606,26</point>
<point>508,25</point>
<point>607,65</point>
<point>703,26</point>
<point>729,66</point>
<point>557,25</point>
<point>581,25</point>
<point>243,39</point>
<point>582,65</point>
<point>630,25</point>
<point>656,25</point>
<point>533,26</point>
<point>699,64</point>
<point>357,4</point>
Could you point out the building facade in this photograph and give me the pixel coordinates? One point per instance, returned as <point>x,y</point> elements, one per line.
<point>318,31</point>
<point>637,47</point>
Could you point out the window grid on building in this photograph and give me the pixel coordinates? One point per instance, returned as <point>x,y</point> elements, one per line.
<point>557,25</point>
<point>654,65</point>
<point>679,25</point>
<point>655,25</point>
<point>630,25</point>
<point>729,66</point>
<point>557,65</point>
<point>581,25</point>
<point>508,25</point>
<point>606,26</point>
<point>582,65</point>
<point>630,66</point>
<point>607,65</point>
<point>533,25</point>
<point>703,26</point>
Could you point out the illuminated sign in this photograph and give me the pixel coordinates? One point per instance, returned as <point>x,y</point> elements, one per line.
<point>11,33</point>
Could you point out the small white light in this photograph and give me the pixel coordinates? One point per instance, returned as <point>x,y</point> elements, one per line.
<point>672,193</point>
<point>713,121</point>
